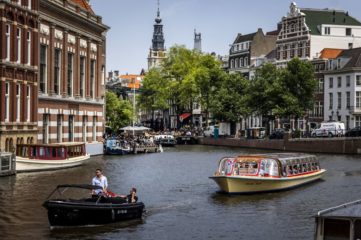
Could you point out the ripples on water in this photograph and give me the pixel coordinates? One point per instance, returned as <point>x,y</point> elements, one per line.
<point>181,202</point>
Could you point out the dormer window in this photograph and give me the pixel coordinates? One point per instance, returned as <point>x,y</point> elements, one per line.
<point>348,31</point>
<point>338,63</point>
<point>327,31</point>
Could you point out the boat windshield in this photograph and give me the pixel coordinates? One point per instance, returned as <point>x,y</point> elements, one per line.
<point>246,167</point>
<point>226,166</point>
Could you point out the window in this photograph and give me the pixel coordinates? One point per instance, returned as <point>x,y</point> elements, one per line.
<point>339,100</point>
<point>59,128</point>
<point>103,75</point>
<point>330,85</point>
<point>320,85</point>
<point>358,99</point>
<point>339,82</point>
<point>71,128</point>
<point>358,80</point>
<point>85,128</point>
<point>29,4</point>
<point>236,63</point>
<point>348,80</point>
<point>70,75</point>
<point>350,45</point>
<point>46,128</point>
<point>18,44</point>
<point>347,122</point>
<point>330,100</point>
<point>19,2</point>
<point>7,34</point>
<point>357,121</point>
<point>28,103</point>
<point>232,63</point>
<point>348,31</point>
<point>241,62</point>
<point>18,95</point>
<point>7,101</point>
<point>94,128</point>
<point>82,77</point>
<point>43,70</point>
<point>57,61</point>
<point>92,78</point>
<point>28,46</point>
<point>327,31</point>
<point>348,100</point>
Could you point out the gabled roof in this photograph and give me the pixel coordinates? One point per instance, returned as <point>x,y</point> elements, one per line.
<point>330,53</point>
<point>317,17</point>
<point>83,4</point>
<point>354,55</point>
<point>243,38</point>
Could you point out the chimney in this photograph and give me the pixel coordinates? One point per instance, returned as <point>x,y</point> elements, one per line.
<point>116,73</point>
<point>110,75</point>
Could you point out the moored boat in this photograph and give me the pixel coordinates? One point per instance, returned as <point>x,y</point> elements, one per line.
<point>117,147</point>
<point>266,172</point>
<point>165,140</point>
<point>45,157</point>
<point>340,222</point>
<point>74,211</point>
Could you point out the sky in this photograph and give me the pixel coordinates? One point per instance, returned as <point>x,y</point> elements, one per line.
<point>219,21</point>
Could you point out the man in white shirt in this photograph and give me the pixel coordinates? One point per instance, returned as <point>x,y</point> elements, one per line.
<point>100,180</point>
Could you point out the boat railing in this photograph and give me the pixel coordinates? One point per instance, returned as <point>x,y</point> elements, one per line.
<point>50,152</point>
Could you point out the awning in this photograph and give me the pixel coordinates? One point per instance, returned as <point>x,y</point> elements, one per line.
<point>184,116</point>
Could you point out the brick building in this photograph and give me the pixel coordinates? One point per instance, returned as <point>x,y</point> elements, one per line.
<point>71,72</point>
<point>18,72</point>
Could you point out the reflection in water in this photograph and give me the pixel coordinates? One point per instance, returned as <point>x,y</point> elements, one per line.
<point>181,201</point>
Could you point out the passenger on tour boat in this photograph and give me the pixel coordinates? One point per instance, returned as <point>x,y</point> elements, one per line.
<point>100,180</point>
<point>132,197</point>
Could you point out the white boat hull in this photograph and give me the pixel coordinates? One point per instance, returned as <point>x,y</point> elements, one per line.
<point>246,184</point>
<point>34,165</point>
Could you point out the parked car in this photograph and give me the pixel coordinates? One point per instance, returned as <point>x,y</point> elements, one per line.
<point>354,132</point>
<point>278,133</point>
<point>329,129</point>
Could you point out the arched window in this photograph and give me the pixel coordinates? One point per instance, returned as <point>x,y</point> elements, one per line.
<point>11,145</point>
<point>7,145</point>
<point>236,63</point>
<point>232,63</point>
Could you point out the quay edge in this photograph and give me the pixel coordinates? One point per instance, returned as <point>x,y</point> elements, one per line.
<point>311,145</point>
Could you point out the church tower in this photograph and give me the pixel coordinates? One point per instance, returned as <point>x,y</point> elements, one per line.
<point>157,51</point>
<point>197,41</point>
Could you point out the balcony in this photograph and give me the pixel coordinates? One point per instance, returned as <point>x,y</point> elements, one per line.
<point>355,110</point>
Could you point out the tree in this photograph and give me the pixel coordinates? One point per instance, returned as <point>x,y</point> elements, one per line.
<point>119,112</point>
<point>229,103</point>
<point>300,84</point>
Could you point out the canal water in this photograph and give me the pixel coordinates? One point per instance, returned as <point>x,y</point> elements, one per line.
<point>181,201</point>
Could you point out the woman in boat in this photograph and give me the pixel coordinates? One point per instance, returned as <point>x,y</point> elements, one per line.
<point>100,180</point>
<point>132,197</point>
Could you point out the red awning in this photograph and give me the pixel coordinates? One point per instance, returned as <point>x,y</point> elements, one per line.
<point>184,116</point>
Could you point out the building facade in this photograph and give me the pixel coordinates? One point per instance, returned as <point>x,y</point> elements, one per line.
<point>305,32</point>
<point>342,94</point>
<point>157,52</point>
<point>247,50</point>
<point>18,72</point>
<point>71,72</point>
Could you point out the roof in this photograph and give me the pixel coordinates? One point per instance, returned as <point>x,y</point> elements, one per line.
<point>354,55</point>
<point>330,53</point>
<point>317,17</point>
<point>83,4</point>
<point>347,210</point>
<point>243,38</point>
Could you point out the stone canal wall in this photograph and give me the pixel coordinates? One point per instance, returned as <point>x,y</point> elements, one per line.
<point>315,145</point>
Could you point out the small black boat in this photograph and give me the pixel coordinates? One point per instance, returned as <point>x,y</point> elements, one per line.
<point>91,210</point>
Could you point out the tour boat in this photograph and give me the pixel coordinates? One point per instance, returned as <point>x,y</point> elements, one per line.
<point>68,209</point>
<point>165,140</point>
<point>266,172</point>
<point>44,157</point>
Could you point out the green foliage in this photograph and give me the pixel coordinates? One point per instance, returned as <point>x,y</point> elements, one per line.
<point>229,103</point>
<point>283,92</point>
<point>119,112</point>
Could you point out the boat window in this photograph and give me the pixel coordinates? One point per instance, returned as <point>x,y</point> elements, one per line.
<point>336,229</point>
<point>269,167</point>
<point>357,227</point>
<point>245,168</point>
<point>41,152</point>
<point>226,166</point>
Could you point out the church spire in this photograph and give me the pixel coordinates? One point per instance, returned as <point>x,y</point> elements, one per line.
<point>158,38</point>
